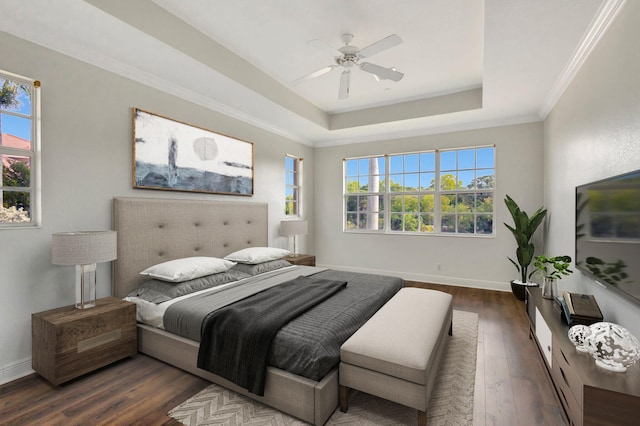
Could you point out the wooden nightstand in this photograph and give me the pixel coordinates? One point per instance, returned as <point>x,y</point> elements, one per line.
<point>301,259</point>
<point>68,342</point>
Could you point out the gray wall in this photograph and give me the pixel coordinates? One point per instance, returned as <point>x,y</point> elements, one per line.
<point>87,160</point>
<point>593,133</point>
<point>467,261</point>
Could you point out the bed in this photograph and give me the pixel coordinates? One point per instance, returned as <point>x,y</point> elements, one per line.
<point>151,231</point>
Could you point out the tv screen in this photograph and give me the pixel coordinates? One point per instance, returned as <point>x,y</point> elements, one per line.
<point>608,232</point>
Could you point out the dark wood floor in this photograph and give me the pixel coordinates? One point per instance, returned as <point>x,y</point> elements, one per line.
<point>511,384</point>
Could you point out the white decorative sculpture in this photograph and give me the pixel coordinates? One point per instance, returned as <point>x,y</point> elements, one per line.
<point>613,347</point>
<point>577,334</point>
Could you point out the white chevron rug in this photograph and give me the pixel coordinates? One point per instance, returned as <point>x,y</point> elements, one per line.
<point>451,401</point>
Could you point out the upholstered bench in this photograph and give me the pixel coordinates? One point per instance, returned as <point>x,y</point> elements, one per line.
<point>395,355</point>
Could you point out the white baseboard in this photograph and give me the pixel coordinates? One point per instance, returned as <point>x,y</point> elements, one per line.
<point>433,279</point>
<point>15,370</point>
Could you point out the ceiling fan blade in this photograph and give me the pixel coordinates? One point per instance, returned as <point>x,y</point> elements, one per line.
<point>319,44</point>
<point>313,75</point>
<point>380,45</point>
<point>381,72</point>
<point>345,78</point>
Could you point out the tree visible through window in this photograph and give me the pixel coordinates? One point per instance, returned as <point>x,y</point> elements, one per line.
<point>293,185</point>
<point>18,105</point>
<point>430,192</point>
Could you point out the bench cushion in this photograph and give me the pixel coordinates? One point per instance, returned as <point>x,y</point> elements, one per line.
<point>400,338</point>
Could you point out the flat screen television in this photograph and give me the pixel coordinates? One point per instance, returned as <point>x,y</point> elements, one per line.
<point>608,232</point>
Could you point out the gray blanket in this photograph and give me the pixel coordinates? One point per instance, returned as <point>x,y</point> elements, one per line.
<point>236,339</point>
<point>308,346</point>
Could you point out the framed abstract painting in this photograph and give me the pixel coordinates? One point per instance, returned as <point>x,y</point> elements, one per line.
<point>176,156</point>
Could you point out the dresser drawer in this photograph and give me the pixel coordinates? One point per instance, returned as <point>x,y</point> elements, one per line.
<point>566,374</point>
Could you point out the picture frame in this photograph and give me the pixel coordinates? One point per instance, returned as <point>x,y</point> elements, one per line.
<point>175,156</point>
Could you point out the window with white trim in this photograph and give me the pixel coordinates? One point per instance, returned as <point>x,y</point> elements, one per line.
<point>429,192</point>
<point>19,151</point>
<point>293,186</point>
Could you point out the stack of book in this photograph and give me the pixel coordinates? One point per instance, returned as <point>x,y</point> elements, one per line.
<point>578,308</point>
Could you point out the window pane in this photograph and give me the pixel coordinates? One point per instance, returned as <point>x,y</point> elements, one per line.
<point>427,203</point>
<point>484,202</point>
<point>411,222</point>
<point>448,181</point>
<point>448,203</point>
<point>426,223</point>
<point>428,162</point>
<point>411,182</point>
<point>16,131</point>
<point>16,96</point>
<point>16,207</point>
<point>362,220</point>
<point>352,203</point>
<point>411,163</point>
<point>351,168</point>
<point>465,224</point>
<point>351,221</point>
<point>466,159</point>
<point>485,179</point>
<point>396,222</point>
<point>427,181</point>
<point>363,203</point>
<point>290,180</point>
<point>396,183</point>
<point>484,158</point>
<point>16,171</point>
<point>484,224</point>
<point>351,185</point>
<point>466,179</point>
<point>447,160</point>
<point>466,202</point>
<point>395,164</point>
<point>396,203</point>
<point>290,207</point>
<point>411,203</point>
<point>448,223</point>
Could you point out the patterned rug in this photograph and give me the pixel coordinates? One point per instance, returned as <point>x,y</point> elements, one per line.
<point>451,401</point>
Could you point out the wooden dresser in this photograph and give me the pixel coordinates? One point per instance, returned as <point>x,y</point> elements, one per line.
<point>68,342</point>
<point>589,394</point>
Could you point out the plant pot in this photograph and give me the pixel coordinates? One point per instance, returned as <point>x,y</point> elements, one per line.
<point>519,288</point>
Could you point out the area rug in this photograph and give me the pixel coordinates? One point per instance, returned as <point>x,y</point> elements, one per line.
<point>451,401</point>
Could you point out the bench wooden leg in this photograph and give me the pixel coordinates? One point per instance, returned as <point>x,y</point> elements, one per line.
<point>422,418</point>
<point>344,398</point>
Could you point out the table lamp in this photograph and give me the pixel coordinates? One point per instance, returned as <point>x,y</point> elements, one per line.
<point>293,227</point>
<point>84,249</point>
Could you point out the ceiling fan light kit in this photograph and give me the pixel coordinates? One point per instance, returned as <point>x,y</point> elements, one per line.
<point>349,56</point>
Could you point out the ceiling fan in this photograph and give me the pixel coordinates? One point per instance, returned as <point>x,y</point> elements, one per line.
<point>349,56</point>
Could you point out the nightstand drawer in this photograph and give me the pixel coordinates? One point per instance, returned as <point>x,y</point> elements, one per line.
<point>566,374</point>
<point>68,342</point>
<point>565,393</point>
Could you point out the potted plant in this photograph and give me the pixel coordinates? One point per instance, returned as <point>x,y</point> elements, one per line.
<point>552,269</point>
<point>524,228</point>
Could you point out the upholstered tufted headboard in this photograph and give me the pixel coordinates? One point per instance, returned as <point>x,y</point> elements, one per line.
<point>152,231</point>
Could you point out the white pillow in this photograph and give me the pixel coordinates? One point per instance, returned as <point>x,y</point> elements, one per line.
<point>189,268</point>
<point>255,255</point>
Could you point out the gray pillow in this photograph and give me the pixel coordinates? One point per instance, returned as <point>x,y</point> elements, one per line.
<point>157,291</point>
<point>260,268</point>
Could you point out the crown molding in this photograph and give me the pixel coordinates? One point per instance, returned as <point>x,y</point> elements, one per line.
<point>601,22</point>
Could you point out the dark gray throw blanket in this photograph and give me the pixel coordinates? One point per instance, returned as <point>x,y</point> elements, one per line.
<point>236,340</point>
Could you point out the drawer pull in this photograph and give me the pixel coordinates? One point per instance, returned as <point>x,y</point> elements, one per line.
<point>564,377</point>
<point>563,356</point>
<point>564,397</point>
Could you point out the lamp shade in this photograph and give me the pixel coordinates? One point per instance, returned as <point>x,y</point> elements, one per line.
<point>82,248</point>
<point>293,227</point>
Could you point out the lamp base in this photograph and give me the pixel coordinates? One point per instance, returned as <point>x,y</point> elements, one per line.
<point>86,286</point>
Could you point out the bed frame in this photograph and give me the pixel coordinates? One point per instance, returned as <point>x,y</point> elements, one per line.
<point>153,230</point>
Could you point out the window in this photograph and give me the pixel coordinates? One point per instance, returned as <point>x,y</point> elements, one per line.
<point>430,192</point>
<point>293,186</point>
<point>19,151</point>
